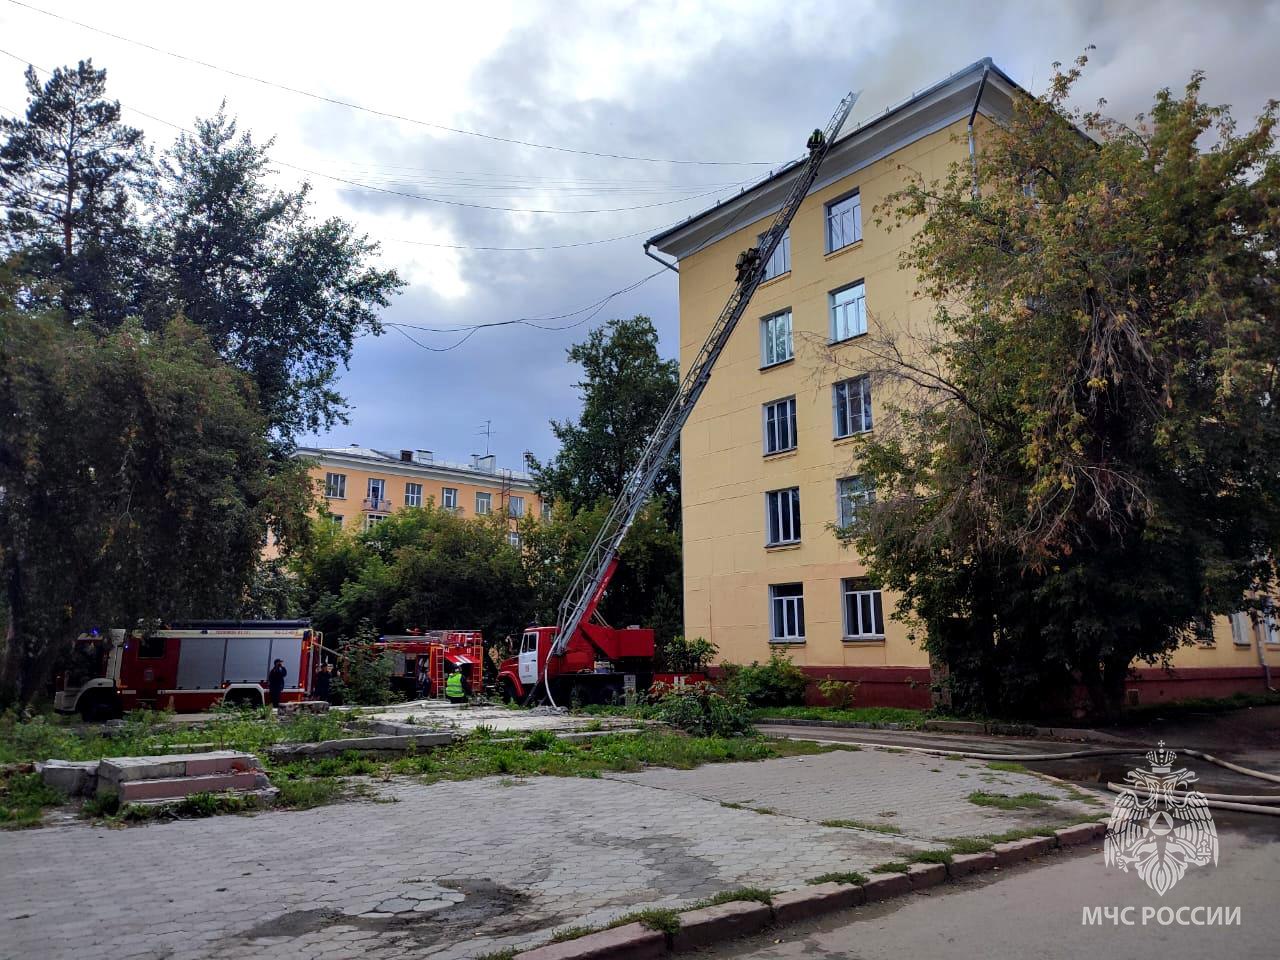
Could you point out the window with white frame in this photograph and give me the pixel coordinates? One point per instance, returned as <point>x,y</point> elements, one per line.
<point>377,488</point>
<point>372,521</point>
<point>449,498</point>
<point>546,509</point>
<point>852,493</point>
<point>863,611</point>
<point>844,222</point>
<point>1202,631</point>
<point>780,262</point>
<point>484,503</point>
<point>786,613</point>
<point>1241,629</point>
<point>848,312</point>
<point>515,507</point>
<point>513,538</point>
<point>782,516</point>
<point>413,494</point>
<point>852,406</point>
<point>775,339</point>
<point>780,425</point>
<point>335,521</point>
<point>335,485</point>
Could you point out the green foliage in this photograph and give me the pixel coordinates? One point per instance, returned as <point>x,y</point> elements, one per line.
<point>849,876</point>
<point>540,740</point>
<point>137,483</point>
<point>423,567</point>
<point>305,794</point>
<point>699,709</point>
<point>756,894</point>
<point>873,716</point>
<point>23,797</point>
<point>101,806</point>
<point>863,825</point>
<point>1003,801</point>
<point>776,683</point>
<point>1006,766</point>
<point>679,655</point>
<point>1077,463</point>
<point>838,693</point>
<point>625,389</point>
<point>272,593</point>
<point>365,675</point>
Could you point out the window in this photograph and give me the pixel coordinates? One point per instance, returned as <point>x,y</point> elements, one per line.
<point>449,498</point>
<point>372,521</point>
<point>335,485</point>
<point>413,494</point>
<point>849,312</point>
<point>786,612</point>
<point>377,488</point>
<point>546,509</point>
<point>775,339</point>
<point>852,400</point>
<point>484,503</point>
<point>513,538</point>
<point>863,611</point>
<point>1241,628</point>
<point>1202,631</point>
<point>780,262</point>
<point>782,516</point>
<point>336,521</point>
<point>515,507</point>
<point>844,222</point>
<point>851,493</point>
<point>780,426</point>
<point>151,647</point>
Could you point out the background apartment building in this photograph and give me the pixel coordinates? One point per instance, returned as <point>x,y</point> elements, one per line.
<point>362,486</point>
<point>766,462</point>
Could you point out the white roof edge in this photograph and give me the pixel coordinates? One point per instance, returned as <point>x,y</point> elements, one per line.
<point>438,470</point>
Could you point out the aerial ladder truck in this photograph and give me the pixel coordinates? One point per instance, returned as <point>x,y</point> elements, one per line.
<point>581,659</point>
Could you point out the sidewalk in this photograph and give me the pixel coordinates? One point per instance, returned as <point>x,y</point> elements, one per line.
<point>455,870</point>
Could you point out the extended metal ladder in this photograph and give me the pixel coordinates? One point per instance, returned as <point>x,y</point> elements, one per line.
<point>600,561</point>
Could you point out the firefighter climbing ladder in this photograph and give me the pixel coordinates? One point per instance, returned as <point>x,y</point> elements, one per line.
<point>602,558</point>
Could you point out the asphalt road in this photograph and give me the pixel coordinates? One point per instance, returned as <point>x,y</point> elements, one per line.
<point>1035,912</point>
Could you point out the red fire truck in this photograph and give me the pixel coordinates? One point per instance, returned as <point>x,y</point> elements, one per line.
<point>186,667</point>
<point>420,660</point>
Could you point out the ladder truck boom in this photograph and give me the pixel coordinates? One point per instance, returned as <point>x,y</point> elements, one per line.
<point>597,567</point>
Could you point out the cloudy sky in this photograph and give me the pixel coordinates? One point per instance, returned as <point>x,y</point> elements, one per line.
<point>735,86</point>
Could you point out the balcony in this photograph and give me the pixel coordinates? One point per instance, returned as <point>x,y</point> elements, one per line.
<point>374,505</point>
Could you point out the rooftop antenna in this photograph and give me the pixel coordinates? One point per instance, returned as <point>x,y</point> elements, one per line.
<point>487,430</point>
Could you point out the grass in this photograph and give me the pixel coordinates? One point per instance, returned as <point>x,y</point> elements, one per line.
<point>863,825</point>
<point>663,919</point>
<point>506,953</point>
<point>146,733</point>
<point>305,794</point>
<point>1007,766</point>
<point>758,894</point>
<point>1005,801</point>
<point>849,876</point>
<point>23,799</point>
<point>872,715</point>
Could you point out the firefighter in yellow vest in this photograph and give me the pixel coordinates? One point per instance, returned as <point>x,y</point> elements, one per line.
<point>453,688</point>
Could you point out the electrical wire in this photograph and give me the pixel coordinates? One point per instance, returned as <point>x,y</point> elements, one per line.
<point>383,113</point>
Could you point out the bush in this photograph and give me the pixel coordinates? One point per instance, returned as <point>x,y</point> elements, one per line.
<point>777,683</point>
<point>366,674</point>
<point>838,693</point>
<point>679,655</point>
<point>699,709</point>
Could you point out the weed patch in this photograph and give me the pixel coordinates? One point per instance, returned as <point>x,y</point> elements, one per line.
<point>1005,801</point>
<point>863,825</point>
<point>875,716</point>
<point>849,876</point>
<point>758,894</point>
<point>23,799</point>
<point>1007,766</point>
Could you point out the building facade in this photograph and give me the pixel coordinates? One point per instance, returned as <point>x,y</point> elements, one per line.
<point>767,469</point>
<point>362,487</point>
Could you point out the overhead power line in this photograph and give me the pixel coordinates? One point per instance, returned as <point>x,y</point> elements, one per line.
<point>384,113</point>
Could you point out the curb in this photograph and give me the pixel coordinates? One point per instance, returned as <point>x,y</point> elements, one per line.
<point>1066,734</point>
<point>706,926</point>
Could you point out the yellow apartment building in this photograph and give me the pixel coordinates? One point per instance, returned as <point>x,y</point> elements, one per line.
<point>362,486</point>
<point>766,464</point>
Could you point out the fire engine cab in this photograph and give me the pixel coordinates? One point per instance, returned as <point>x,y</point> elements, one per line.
<point>187,667</point>
<point>420,661</point>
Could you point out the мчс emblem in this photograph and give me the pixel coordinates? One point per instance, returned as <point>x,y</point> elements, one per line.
<point>1159,826</point>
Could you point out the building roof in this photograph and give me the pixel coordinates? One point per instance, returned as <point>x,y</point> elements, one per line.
<point>480,469</point>
<point>923,113</point>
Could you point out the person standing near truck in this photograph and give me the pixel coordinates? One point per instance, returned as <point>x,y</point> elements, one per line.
<point>453,688</point>
<point>275,682</point>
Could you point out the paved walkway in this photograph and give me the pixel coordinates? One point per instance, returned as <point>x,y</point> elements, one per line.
<point>454,870</point>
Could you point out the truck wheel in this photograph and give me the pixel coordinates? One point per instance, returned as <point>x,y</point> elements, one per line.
<point>99,707</point>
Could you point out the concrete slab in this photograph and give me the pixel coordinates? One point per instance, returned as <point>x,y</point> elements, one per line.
<point>441,715</point>
<point>178,787</point>
<point>73,777</point>
<point>114,771</point>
